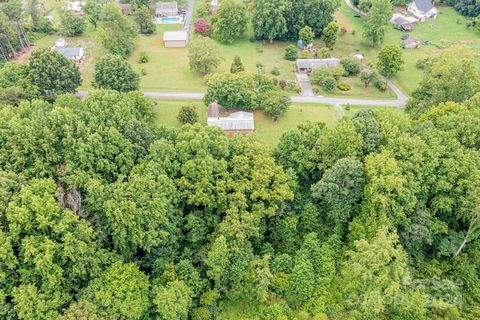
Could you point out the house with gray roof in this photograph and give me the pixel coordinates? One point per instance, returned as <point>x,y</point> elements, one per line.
<point>308,65</point>
<point>74,54</point>
<point>166,9</point>
<point>423,9</point>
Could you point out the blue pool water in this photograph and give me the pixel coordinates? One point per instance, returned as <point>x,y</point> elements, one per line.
<point>170,19</point>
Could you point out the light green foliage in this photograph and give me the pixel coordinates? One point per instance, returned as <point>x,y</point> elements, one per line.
<point>450,76</point>
<point>237,65</point>
<point>274,103</point>
<point>330,34</point>
<point>229,90</point>
<point>351,66</point>
<point>377,22</point>
<point>231,21</point>
<point>204,55</point>
<point>143,17</point>
<point>93,11</point>
<point>81,310</point>
<point>306,35</point>
<point>115,73</point>
<point>120,291</point>
<point>116,33</point>
<point>268,18</point>
<point>390,60</point>
<point>188,114</point>
<point>373,275</point>
<point>173,301</point>
<point>71,25</point>
<point>52,73</point>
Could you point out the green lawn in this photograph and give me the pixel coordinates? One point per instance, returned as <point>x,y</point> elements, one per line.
<point>449,26</point>
<point>266,130</point>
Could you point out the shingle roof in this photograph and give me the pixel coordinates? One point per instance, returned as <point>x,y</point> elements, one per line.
<point>240,120</point>
<point>424,5</point>
<point>400,20</point>
<point>317,63</point>
<point>167,5</point>
<point>70,53</point>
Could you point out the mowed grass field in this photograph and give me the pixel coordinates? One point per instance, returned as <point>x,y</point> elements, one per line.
<point>449,27</point>
<point>266,130</point>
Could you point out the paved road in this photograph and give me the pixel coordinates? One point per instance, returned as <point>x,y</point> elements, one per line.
<point>398,103</point>
<point>188,16</point>
<point>351,6</point>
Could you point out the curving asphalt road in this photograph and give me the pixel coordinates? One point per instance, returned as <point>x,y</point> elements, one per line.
<point>398,103</point>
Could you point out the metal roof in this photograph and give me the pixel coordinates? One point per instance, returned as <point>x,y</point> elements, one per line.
<point>175,36</point>
<point>317,63</point>
<point>236,121</point>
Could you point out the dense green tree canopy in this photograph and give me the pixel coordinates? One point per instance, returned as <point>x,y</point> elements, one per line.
<point>115,73</point>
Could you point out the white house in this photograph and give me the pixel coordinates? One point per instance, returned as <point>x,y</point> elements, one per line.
<point>423,9</point>
<point>175,39</point>
<point>236,122</point>
<point>308,65</point>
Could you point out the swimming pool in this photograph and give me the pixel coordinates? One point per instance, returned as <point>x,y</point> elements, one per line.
<point>173,19</point>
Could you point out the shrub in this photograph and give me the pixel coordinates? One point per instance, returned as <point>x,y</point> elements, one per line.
<point>143,71</point>
<point>338,72</point>
<point>202,27</point>
<point>275,71</point>
<point>421,63</point>
<point>329,84</point>
<point>347,107</point>
<point>343,86</point>
<point>343,30</point>
<point>237,65</point>
<point>319,75</point>
<point>380,84</point>
<point>305,54</point>
<point>291,53</point>
<point>259,67</point>
<point>323,53</point>
<point>351,66</point>
<point>143,58</point>
<point>353,32</point>
<point>187,115</point>
<point>282,84</point>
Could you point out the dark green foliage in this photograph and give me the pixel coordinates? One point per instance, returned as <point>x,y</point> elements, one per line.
<point>52,73</point>
<point>104,215</point>
<point>115,73</point>
<point>291,53</point>
<point>143,17</point>
<point>230,22</point>
<point>351,66</point>
<point>70,24</point>
<point>188,115</point>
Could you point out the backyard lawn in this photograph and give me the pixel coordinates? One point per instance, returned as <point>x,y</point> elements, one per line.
<point>266,130</point>
<point>449,28</point>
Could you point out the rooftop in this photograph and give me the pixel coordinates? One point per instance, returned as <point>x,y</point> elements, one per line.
<point>167,5</point>
<point>424,5</point>
<point>317,63</point>
<point>70,53</point>
<point>175,36</point>
<point>236,121</point>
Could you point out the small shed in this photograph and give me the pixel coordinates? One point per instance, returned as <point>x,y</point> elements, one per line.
<point>74,54</point>
<point>60,42</point>
<point>175,39</point>
<point>239,122</point>
<point>166,9</point>
<point>307,65</point>
<point>411,43</point>
<point>402,23</point>
<point>126,8</point>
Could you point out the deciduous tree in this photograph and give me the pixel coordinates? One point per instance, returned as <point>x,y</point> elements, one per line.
<point>204,55</point>
<point>115,73</point>
<point>231,21</point>
<point>377,21</point>
<point>390,60</point>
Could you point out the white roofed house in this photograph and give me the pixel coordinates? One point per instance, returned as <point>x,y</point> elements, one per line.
<point>308,65</point>
<point>74,54</point>
<point>175,39</point>
<point>166,9</point>
<point>423,9</point>
<point>239,122</point>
